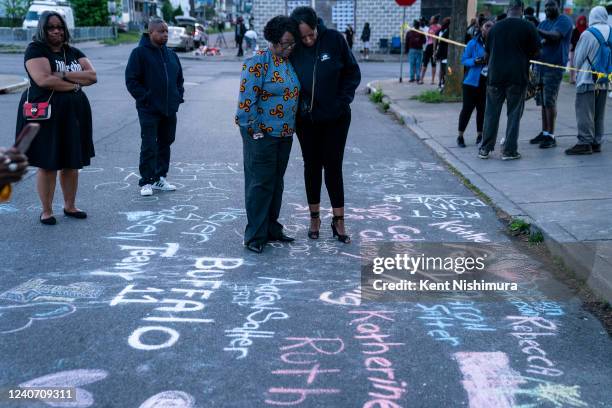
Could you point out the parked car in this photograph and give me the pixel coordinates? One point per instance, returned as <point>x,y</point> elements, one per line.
<point>180,38</point>
<point>38,7</point>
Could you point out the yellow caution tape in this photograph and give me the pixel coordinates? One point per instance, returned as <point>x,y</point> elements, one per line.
<point>458,44</point>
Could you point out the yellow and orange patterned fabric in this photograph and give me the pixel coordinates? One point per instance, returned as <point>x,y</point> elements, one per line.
<point>269,94</point>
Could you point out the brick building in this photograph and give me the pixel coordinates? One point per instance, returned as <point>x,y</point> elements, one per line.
<point>384,16</point>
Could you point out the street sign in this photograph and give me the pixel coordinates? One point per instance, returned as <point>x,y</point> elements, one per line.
<point>405,2</point>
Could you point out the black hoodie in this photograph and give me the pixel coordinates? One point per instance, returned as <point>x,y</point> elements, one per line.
<point>154,77</point>
<point>337,74</point>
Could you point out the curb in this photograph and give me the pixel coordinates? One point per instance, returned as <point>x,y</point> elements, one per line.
<point>580,257</point>
<point>15,87</point>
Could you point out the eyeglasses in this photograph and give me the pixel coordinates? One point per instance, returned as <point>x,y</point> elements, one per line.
<point>287,46</point>
<point>55,27</point>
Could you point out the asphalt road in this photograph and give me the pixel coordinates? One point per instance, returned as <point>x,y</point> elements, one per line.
<point>153,302</point>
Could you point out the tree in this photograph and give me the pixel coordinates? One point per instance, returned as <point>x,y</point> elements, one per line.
<point>16,9</point>
<point>167,10</point>
<point>178,11</point>
<point>89,13</point>
<point>458,28</point>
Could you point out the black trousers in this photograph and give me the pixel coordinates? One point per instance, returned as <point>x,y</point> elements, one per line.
<point>514,96</point>
<point>157,132</point>
<point>323,151</point>
<point>265,163</point>
<point>473,98</point>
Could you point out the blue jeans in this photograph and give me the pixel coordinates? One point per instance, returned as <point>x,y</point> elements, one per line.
<point>415,58</point>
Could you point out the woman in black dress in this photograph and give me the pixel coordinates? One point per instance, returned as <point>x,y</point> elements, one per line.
<point>57,72</point>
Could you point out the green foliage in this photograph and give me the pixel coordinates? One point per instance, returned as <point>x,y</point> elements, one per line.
<point>536,238</point>
<point>123,38</point>
<point>386,106</point>
<point>167,10</point>
<point>377,96</point>
<point>178,11</point>
<point>519,226</point>
<point>209,12</point>
<point>433,96</point>
<point>15,9</point>
<point>89,13</point>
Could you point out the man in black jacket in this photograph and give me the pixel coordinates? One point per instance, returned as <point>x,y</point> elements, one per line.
<point>154,77</point>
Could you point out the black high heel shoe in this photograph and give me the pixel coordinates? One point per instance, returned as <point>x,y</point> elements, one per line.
<point>314,234</point>
<point>342,238</point>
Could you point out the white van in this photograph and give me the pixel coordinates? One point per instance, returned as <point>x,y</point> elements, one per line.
<point>38,7</point>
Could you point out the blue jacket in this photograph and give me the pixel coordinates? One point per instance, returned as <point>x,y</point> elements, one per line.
<point>154,77</point>
<point>269,95</point>
<point>473,50</point>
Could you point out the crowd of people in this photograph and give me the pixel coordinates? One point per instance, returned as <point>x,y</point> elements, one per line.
<point>303,83</point>
<point>498,69</point>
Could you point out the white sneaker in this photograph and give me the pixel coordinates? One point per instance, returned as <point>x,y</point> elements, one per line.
<point>146,190</point>
<point>163,185</point>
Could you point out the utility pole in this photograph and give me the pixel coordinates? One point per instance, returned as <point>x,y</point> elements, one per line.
<point>458,27</point>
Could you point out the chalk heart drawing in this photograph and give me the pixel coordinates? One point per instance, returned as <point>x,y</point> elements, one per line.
<point>170,399</point>
<point>15,318</point>
<point>71,378</point>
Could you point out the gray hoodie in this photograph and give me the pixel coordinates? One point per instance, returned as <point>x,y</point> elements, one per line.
<point>587,49</point>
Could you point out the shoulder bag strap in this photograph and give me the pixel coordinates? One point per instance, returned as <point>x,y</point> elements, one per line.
<point>314,76</point>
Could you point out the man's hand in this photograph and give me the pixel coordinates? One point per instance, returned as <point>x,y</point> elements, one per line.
<point>13,166</point>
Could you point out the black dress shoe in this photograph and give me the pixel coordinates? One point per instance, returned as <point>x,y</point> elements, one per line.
<point>596,147</point>
<point>257,248</point>
<point>460,141</point>
<point>282,238</point>
<point>48,221</point>
<point>76,214</point>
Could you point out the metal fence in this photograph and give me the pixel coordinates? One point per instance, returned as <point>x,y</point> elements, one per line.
<point>12,35</point>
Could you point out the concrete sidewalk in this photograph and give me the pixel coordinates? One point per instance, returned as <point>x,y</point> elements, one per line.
<point>12,83</point>
<point>567,198</point>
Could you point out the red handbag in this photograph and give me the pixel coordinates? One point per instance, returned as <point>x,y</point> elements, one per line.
<point>37,111</point>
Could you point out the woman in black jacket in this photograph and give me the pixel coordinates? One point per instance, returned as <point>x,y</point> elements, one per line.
<point>329,75</point>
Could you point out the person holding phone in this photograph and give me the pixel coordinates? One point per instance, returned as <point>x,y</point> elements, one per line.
<point>475,82</point>
<point>13,166</point>
<point>57,73</point>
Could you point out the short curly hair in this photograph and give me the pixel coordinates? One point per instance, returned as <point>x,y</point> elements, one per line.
<point>277,27</point>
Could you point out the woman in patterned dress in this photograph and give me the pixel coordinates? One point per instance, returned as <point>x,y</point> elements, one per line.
<point>267,105</point>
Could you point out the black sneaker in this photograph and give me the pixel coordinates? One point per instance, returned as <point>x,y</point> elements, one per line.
<point>548,142</point>
<point>483,153</point>
<point>538,139</point>
<point>460,141</point>
<point>579,149</point>
<point>511,156</point>
<point>596,147</point>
